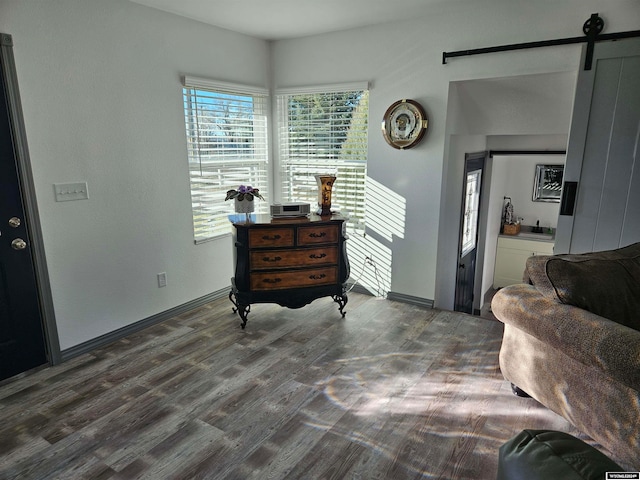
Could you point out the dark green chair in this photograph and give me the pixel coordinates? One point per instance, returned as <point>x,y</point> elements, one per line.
<point>551,455</point>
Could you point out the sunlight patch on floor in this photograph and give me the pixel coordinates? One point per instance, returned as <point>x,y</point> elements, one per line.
<point>401,384</point>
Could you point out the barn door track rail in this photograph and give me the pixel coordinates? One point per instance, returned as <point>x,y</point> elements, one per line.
<point>592,29</point>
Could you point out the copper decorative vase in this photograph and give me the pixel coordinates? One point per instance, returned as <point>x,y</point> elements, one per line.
<point>325,186</point>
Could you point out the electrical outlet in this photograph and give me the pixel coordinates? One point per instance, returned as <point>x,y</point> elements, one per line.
<point>162,280</point>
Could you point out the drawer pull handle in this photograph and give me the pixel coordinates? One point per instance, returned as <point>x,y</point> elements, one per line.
<point>317,277</point>
<point>272,280</point>
<point>318,235</point>
<point>272,237</point>
<point>274,259</point>
<point>316,256</point>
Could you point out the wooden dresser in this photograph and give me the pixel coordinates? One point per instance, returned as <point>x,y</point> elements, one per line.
<point>290,261</point>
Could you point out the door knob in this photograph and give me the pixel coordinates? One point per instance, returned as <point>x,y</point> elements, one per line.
<point>14,222</point>
<point>18,244</point>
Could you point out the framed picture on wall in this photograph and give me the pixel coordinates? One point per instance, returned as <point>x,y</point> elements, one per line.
<point>547,185</point>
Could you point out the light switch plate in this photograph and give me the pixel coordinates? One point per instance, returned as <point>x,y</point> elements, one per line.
<point>71,191</point>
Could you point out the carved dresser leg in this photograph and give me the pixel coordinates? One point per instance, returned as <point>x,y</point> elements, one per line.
<point>243,311</point>
<point>341,300</point>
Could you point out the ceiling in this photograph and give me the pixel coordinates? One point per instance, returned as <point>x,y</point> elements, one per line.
<point>280,19</point>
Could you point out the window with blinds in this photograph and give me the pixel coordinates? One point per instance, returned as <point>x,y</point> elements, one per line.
<point>226,127</point>
<point>324,132</point>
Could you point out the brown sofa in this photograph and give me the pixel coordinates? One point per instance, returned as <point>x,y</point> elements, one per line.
<point>572,342</point>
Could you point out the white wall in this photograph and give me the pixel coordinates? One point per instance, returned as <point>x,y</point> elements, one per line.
<point>102,100</point>
<point>538,104</point>
<point>497,188</point>
<point>403,60</point>
<point>519,173</point>
<point>101,96</point>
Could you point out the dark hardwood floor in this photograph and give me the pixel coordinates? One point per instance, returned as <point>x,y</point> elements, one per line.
<point>392,391</point>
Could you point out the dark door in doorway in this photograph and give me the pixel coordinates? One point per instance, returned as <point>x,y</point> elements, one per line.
<point>22,344</point>
<point>469,223</point>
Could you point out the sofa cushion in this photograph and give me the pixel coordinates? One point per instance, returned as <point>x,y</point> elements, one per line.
<point>548,454</point>
<point>609,288</point>
<point>605,283</point>
<point>535,271</point>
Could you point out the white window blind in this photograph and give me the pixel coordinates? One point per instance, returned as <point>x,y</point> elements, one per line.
<point>226,127</point>
<point>324,131</point>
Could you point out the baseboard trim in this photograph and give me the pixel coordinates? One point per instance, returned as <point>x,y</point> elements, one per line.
<point>401,297</point>
<point>111,337</point>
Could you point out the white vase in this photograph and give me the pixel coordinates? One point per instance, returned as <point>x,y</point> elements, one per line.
<point>244,206</point>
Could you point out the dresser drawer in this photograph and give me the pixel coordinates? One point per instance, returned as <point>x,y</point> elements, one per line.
<point>318,234</point>
<point>293,279</point>
<point>271,237</point>
<point>301,257</point>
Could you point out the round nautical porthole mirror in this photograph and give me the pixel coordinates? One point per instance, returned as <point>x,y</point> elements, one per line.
<point>404,124</point>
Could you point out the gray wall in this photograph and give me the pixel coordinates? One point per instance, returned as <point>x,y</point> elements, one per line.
<point>102,100</point>
<point>100,85</point>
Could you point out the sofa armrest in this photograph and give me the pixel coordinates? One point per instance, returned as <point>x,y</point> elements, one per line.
<point>584,336</point>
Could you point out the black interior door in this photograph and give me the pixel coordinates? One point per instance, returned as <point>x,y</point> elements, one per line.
<point>469,223</point>
<point>22,345</point>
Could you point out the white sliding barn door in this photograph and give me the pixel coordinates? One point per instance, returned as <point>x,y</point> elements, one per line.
<point>603,153</point>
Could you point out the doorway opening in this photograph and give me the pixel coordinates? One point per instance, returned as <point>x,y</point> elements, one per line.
<point>28,335</point>
<point>469,232</point>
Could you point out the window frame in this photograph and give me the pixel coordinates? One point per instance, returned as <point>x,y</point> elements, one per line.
<point>281,143</point>
<point>259,162</point>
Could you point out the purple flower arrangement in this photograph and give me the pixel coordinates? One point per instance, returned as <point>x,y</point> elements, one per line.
<point>244,193</point>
